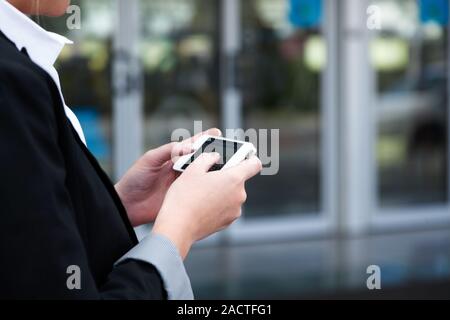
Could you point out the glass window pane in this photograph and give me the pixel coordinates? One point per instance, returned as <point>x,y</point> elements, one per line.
<point>410,59</point>
<point>179,50</point>
<point>280,67</point>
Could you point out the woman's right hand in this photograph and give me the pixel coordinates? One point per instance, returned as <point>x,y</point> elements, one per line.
<point>200,203</point>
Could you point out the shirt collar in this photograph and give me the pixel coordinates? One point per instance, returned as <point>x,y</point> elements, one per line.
<point>42,46</point>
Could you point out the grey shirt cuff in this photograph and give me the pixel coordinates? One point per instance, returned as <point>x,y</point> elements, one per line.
<point>164,256</point>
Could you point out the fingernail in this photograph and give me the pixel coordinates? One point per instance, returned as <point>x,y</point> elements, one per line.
<point>190,147</point>
<point>185,147</point>
<point>256,161</point>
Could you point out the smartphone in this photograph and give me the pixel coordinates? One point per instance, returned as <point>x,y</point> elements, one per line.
<point>232,152</point>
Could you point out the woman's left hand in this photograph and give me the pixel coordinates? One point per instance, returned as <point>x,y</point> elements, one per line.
<point>143,188</point>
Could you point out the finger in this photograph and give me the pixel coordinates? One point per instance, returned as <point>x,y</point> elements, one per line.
<point>210,132</point>
<point>181,149</point>
<point>174,150</point>
<point>167,171</point>
<point>247,168</point>
<point>186,146</point>
<point>171,151</point>
<point>160,155</point>
<point>204,162</point>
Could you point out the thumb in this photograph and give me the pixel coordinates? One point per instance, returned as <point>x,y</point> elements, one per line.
<point>159,156</point>
<point>204,162</point>
<point>171,151</point>
<point>247,168</point>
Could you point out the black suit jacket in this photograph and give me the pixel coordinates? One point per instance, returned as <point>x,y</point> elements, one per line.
<point>57,207</point>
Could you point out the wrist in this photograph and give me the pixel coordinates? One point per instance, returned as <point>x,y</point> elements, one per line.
<point>179,238</point>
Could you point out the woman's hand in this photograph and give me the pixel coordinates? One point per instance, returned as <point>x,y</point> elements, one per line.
<point>200,203</point>
<point>143,188</point>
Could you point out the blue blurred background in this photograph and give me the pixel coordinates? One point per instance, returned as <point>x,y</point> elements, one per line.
<point>363,114</point>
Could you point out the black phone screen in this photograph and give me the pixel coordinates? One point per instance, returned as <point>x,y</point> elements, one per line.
<point>226,149</point>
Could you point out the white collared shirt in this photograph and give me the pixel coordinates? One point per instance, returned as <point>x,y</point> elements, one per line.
<point>43,47</point>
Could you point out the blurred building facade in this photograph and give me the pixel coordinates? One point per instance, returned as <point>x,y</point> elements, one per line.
<point>359,90</point>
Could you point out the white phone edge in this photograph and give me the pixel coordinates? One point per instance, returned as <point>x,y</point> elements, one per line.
<point>247,150</point>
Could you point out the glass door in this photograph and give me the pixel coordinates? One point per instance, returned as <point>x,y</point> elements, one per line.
<point>281,65</point>
<point>282,78</point>
<point>179,53</point>
<point>410,58</point>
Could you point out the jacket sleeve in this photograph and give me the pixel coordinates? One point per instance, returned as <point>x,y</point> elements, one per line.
<point>39,238</point>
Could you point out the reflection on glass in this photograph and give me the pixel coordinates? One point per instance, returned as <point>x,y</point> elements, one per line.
<point>280,71</point>
<point>180,57</point>
<point>410,58</point>
<point>84,69</point>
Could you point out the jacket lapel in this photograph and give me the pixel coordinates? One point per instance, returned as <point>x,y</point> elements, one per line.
<point>107,182</point>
